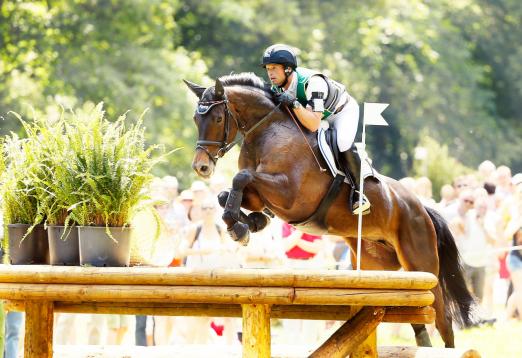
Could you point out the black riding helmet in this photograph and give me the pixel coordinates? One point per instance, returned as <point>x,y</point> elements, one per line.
<point>281,54</point>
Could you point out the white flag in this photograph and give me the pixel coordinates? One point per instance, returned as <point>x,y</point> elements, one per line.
<point>372,114</point>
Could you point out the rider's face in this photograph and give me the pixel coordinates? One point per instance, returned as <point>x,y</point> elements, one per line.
<point>276,73</point>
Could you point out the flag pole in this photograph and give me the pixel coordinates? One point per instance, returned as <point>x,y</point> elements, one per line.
<point>362,154</point>
<point>371,116</point>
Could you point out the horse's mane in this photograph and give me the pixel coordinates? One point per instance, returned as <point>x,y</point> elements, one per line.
<point>247,79</point>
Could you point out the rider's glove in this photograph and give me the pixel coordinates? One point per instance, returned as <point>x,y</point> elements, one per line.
<point>286,98</point>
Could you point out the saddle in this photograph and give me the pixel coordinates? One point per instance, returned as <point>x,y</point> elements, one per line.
<point>327,141</point>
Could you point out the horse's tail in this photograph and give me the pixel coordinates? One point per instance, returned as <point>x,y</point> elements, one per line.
<point>456,294</point>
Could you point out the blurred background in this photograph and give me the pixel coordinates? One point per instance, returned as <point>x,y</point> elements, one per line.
<point>451,70</point>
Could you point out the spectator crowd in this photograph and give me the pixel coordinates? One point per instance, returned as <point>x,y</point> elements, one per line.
<point>483,210</point>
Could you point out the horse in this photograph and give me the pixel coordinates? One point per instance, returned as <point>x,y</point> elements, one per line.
<point>278,173</point>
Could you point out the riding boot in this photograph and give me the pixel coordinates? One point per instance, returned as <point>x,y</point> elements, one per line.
<point>353,169</point>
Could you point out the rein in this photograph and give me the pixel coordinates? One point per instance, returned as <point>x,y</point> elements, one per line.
<point>204,107</point>
<point>306,140</point>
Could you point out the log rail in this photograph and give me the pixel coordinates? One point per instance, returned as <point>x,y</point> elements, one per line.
<point>363,299</point>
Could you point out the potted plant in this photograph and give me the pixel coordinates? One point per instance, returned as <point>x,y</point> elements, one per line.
<point>26,239</point>
<point>55,188</point>
<point>113,166</point>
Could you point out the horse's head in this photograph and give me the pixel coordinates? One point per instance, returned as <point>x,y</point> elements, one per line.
<point>215,127</point>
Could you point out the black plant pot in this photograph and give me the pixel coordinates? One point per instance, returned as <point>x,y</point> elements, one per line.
<point>33,250</point>
<point>97,248</point>
<point>63,245</point>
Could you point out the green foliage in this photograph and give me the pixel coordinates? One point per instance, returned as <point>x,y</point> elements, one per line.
<point>20,158</point>
<point>111,165</point>
<point>438,165</point>
<point>449,67</point>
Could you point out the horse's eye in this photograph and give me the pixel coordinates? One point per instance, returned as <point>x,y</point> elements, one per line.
<point>219,119</point>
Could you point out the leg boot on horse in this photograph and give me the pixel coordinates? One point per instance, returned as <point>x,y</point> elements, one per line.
<point>256,221</point>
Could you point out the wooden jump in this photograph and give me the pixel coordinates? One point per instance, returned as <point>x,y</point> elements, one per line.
<point>363,299</point>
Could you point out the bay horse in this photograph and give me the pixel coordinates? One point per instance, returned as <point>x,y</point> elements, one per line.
<point>278,172</point>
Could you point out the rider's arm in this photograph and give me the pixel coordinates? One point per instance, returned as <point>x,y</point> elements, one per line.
<point>309,119</point>
<point>311,116</point>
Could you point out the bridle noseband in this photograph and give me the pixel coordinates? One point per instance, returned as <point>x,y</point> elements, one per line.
<point>224,146</point>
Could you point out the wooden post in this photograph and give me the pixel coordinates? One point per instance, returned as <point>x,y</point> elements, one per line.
<point>351,334</point>
<point>368,348</point>
<point>38,341</point>
<point>256,330</point>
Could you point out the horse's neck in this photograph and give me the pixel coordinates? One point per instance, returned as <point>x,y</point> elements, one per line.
<point>255,107</point>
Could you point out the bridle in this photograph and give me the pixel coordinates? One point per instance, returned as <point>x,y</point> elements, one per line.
<point>203,108</point>
<point>224,146</point>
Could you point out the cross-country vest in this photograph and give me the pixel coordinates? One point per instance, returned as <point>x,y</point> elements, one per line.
<point>335,89</point>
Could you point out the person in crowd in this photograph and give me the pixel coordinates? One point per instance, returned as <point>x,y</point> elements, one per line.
<point>503,182</point>
<point>423,189</point>
<point>13,320</point>
<point>200,192</point>
<point>475,245</point>
<point>175,216</point>
<point>408,183</point>
<point>118,325</point>
<point>460,184</point>
<point>144,331</point>
<point>265,248</point>
<point>455,213</point>
<point>512,232</point>
<point>303,251</point>
<point>186,199</point>
<point>13,325</point>
<point>486,171</point>
<point>447,196</point>
<point>514,303</point>
<point>206,245</point>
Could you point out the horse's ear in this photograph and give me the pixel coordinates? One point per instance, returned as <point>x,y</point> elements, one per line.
<point>219,90</point>
<point>197,89</point>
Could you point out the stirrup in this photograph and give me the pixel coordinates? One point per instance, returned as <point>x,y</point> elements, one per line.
<point>365,208</point>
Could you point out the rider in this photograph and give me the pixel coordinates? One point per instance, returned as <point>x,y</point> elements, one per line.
<point>312,96</point>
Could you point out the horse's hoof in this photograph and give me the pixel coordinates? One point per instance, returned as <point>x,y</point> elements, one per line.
<point>240,233</point>
<point>258,221</point>
<point>222,198</point>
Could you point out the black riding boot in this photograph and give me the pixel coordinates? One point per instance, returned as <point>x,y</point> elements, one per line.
<point>353,169</point>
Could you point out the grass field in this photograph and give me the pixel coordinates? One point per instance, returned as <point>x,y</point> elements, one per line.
<point>501,340</point>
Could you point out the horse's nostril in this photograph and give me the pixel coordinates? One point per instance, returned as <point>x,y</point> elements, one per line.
<point>204,168</point>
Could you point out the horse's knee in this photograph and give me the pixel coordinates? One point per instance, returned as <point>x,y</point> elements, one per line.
<point>222,198</point>
<point>257,221</point>
<point>241,179</point>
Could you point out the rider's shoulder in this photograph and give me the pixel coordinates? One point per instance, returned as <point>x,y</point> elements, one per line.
<point>317,83</point>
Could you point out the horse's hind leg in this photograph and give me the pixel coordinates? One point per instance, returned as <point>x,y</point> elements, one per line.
<point>379,257</point>
<point>417,251</point>
<point>422,338</point>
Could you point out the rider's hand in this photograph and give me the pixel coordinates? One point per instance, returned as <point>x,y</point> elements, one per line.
<point>285,98</point>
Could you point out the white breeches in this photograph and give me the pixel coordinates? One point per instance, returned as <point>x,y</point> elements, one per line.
<point>345,123</point>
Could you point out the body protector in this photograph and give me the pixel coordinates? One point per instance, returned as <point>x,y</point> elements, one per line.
<point>335,91</point>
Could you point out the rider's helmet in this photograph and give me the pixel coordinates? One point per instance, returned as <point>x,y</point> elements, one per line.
<point>281,54</point>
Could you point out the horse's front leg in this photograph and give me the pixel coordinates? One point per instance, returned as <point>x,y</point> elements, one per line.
<point>238,223</point>
<point>233,217</point>
<point>256,220</point>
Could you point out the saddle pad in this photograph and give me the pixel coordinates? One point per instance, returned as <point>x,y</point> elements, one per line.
<point>328,156</point>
